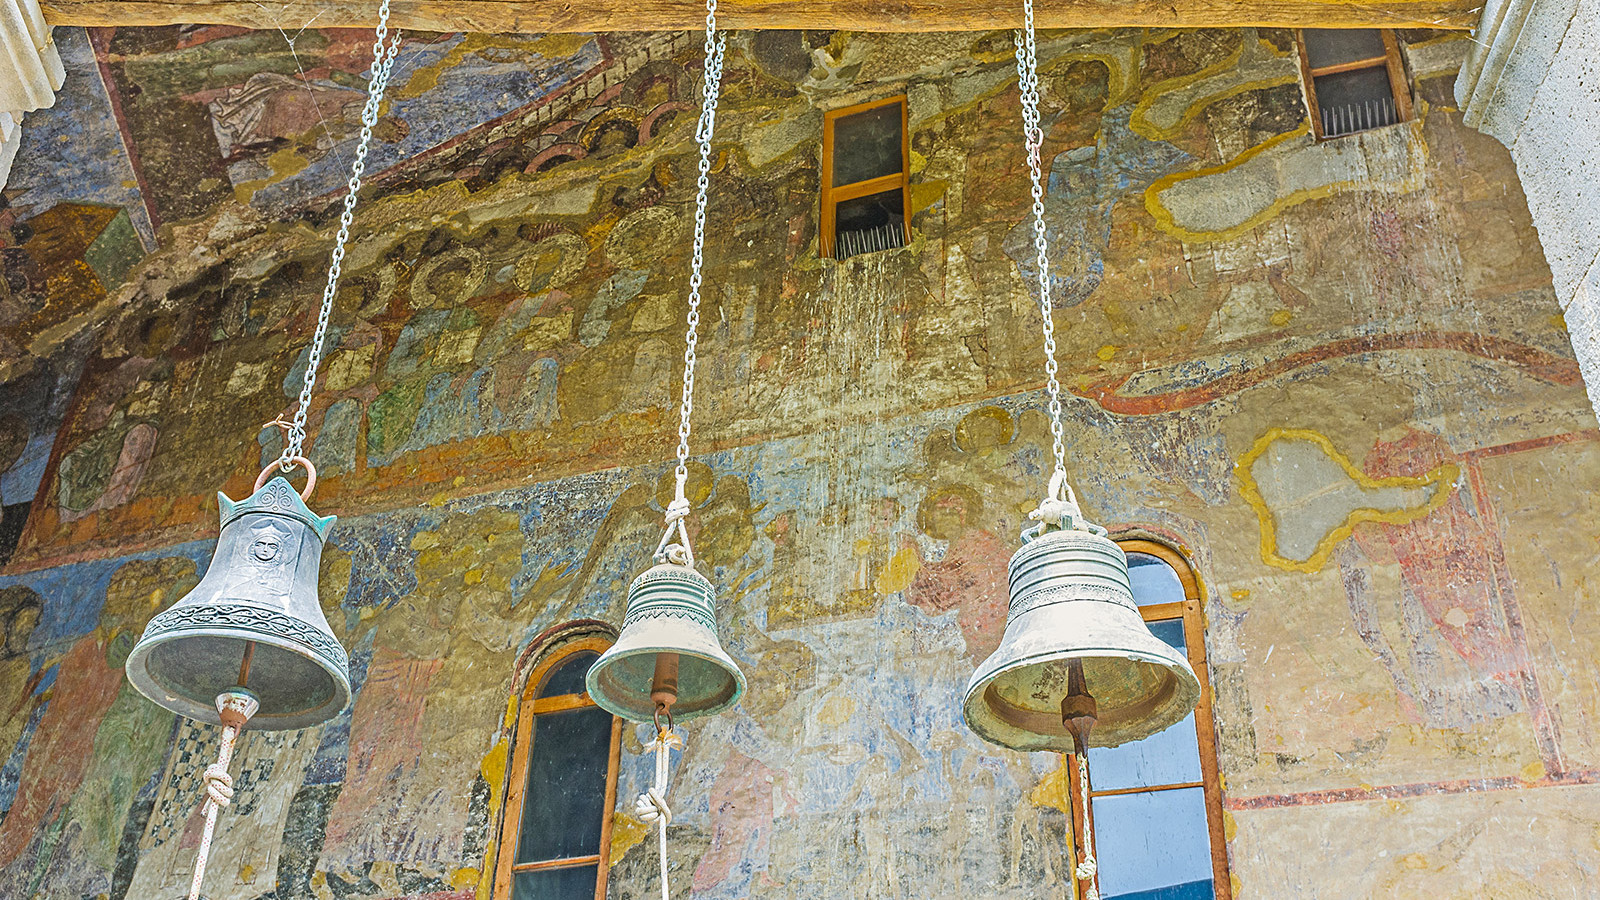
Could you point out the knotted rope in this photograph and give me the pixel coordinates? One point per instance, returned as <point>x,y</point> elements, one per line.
<point>651,806</point>
<point>1086,869</point>
<point>234,707</point>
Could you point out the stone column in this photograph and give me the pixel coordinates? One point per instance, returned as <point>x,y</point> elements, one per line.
<point>1532,81</point>
<point>30,72</point>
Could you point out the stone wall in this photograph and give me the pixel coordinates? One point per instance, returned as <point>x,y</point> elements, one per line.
<point>1335,375</point>
<point>1529,82</point>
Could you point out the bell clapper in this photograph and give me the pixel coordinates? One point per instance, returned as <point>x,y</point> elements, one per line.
<point>664,689</point>
<point>651,806</point>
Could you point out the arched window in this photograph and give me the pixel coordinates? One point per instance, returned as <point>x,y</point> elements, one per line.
<point>556,836</point>
<point>1156,804</point>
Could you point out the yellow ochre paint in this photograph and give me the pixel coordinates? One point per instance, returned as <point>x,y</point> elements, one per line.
<point>1168,223</point>
<point>1441,477</point>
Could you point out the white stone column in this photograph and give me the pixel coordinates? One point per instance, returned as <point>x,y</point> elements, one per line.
<point>30,72</point>
<point>1532,81</point>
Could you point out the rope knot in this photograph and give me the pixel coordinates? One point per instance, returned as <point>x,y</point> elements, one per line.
<point>219,784</point>
<point>651,806</point>
<point>677,510</point>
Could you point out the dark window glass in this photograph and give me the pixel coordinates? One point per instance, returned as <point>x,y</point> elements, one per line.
<point>867,145</point>
<point>871,223</point>
<point>1355,101</point>
<point>1335,46</point>
<point>1153,846</point>
<point>576,883</point>
<point>568,677</point>
<point>566,788</point>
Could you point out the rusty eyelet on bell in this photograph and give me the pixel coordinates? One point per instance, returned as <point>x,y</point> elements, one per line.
<point>302,462</point>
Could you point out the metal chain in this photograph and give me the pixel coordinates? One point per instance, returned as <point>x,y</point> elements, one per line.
<point>1028,83</point>
<point>382,66</point>
<point>714,48</point>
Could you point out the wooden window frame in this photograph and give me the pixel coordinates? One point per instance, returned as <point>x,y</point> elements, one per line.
<point>833,196</point>
<point>1189,610</point>
<point>530,705</point>
<point>1390,61</point>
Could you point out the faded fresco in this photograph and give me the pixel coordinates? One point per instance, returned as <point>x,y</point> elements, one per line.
<point>1333,374</point>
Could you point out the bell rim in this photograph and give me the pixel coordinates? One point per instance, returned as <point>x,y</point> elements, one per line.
<point>136,669</point>
<point>740,684</point>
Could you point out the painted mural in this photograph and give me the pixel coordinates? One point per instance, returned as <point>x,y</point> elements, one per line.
<point>1332,373</point>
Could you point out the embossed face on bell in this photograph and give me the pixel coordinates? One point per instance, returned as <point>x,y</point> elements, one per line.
<point>264,556</point>
<point>266,547</point>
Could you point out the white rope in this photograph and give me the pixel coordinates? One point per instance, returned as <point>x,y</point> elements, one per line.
<point>1086,869</point>
<point>378,81</point>
<point>234,707</point>
<point>1033,136</point>
<point>651,806</point>
<point>679,551</point>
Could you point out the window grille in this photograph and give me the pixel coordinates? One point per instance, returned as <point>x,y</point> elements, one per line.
<point>865,164</point>
<point>1354,80</point>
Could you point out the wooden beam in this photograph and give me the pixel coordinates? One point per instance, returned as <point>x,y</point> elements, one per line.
<point>582,16</point>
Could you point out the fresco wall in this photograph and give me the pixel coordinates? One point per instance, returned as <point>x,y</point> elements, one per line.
<point>1332,374</point>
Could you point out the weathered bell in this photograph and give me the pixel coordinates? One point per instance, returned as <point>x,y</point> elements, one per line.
<point>255,614</point>
<point>668,654</point>
<point>1076,655</point>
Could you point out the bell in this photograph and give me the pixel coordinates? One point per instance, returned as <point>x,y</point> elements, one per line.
<point>667,657</point>
<point>1077,665</point>
<point>253,621</point>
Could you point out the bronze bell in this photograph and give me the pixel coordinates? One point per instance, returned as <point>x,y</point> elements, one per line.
<point>667,655</point>
<point>252,621</point>
<point>1077,665</point>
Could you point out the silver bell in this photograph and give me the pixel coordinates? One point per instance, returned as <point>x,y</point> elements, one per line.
<point>668,653</point>
<point>1077,665</point>
<point>252,621</point>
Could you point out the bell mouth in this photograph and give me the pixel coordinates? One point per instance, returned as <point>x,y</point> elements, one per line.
<point>185,672</point>
<point>1137,695</point>
<point>708,683</point>
<point>1119,706</point>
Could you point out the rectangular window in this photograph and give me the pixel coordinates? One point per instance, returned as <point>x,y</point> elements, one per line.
<point>1156,804</point>
<point>865,156</point>
<point>1354,80</point>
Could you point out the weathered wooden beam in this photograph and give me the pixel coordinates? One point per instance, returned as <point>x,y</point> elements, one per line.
<point>569,16</point>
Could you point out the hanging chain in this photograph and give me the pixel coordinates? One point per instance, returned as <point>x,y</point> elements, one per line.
<point>382,66</point>
<point>679,552</point>
<point>1059,508</point>
<point>1028,83</point>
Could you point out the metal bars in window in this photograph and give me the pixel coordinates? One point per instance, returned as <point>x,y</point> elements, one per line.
<point>866,154</point>
<point>556,834</point>
<point>1354,80</point>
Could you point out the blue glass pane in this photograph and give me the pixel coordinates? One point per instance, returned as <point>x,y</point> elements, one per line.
<point>564,805</point>
<point>1169,630</point>
<point>568,677</point>
<point>1153,580</point>
<point>1153,842</point>
<point>1194,890</point>
<point>555,884</point>
<point>1169,757</point>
